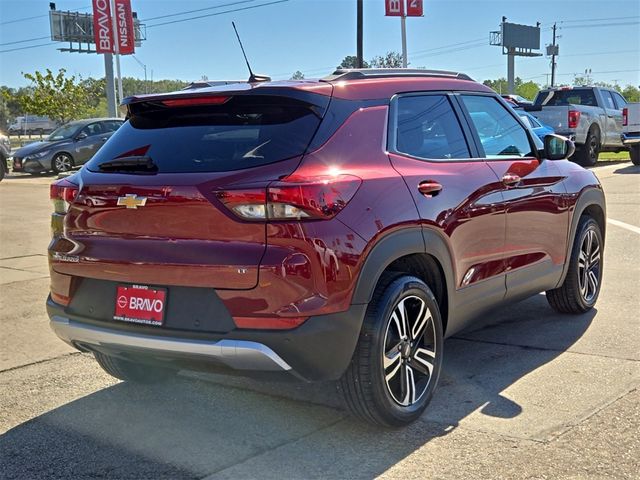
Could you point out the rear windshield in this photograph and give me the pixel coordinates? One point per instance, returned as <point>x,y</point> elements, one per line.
<point>244,132</point>
<point>574,96</point>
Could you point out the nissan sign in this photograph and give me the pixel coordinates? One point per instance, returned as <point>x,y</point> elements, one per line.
<point>124,23</point>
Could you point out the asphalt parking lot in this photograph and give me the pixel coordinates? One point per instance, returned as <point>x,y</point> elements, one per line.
<point>527,394</point>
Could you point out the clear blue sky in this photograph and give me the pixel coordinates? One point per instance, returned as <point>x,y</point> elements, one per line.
<point>314,35</point>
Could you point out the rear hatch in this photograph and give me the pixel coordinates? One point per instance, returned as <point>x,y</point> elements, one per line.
<point>147,210</point>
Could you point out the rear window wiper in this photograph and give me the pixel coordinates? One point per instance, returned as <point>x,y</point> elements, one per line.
<point>134,164</point>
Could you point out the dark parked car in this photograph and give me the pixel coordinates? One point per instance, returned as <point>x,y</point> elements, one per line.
<point>330,229</point>
<point>68,146</point>
<point>5,153</point>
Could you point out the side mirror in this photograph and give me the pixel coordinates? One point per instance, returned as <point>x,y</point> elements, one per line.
<point>557,147</point>
<point>81,136</point>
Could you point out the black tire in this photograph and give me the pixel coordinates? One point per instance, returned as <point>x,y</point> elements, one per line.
<point>634,153</point>
<point>587,154</point>
<point>132,372</point>
<point>372,392</point>
<point>3,167</point>
<point>571,296</point>
<point>62,162</point>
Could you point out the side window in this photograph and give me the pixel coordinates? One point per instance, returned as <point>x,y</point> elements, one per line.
<point>427,127</point>
<point>500,133</point>
<point>619,100</point>
<point>608,100</point>
<point>527,121</point>
<point>111,126</point>
<point>92,129</point>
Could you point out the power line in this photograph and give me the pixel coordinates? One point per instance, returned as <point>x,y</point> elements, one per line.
<point>582,73</point>
<point>578,20</point>
<point>448,46</point>
<point>24,41</point>
<point>599,25</point>
<point>24,19</point>
<point>30,46</point>
<point>216,14</point>
<point>196,10</point>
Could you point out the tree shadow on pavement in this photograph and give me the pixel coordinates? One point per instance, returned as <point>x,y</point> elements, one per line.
<point>240,428</point>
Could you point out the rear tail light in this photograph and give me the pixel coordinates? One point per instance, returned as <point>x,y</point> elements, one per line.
<point>313,198</point>
<point>62,194</point>
<point>625,117</point>
<point>574,118</point>
<point>195,101</point>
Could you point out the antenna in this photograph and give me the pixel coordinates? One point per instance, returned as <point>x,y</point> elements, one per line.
<point>252,77</point>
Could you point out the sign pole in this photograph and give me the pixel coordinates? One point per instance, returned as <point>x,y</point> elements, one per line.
<point>116,50</point>
<point>110,84</point>
<point>403,22</point>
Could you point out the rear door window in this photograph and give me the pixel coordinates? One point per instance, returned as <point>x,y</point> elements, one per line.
<point>620,101</point>
<point>500,134</point>
<point>244,132</point>
<point>427,127</point>
<point>608,100</point>
<point>572,96</point>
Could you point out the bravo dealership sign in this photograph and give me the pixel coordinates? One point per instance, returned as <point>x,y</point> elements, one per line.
<point>107,37</point>
<point>397,8</point>
<point>102,27</point>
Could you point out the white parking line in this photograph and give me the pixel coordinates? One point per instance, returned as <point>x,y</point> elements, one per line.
<point>618,223</point>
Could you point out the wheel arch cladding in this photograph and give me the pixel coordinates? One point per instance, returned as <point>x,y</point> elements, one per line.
<point>591,202</point>
<point>423,254</point>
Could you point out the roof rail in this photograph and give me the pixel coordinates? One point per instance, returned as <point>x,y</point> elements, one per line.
<point>362,73</point>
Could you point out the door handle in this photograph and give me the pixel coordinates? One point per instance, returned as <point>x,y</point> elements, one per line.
<point>511,179</point>
<point>104,139</point>
<point>429,188</point>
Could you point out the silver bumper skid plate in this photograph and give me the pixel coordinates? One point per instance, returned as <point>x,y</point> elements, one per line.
<point>237,354</point>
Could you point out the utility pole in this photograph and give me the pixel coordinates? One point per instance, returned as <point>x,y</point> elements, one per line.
<point>553,58</point>
<point>359,53</point>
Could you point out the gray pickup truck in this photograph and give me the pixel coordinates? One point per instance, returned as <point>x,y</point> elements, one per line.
<point>590,116</point>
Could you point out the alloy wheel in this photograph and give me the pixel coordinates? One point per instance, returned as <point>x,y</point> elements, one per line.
<point>409,353</point>
<point>589,270</point>
<point>62,163</point>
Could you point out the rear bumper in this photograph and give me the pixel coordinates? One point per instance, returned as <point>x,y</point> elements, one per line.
<point>319,349</point>
<point>631,138</point>
<point>236,354</point>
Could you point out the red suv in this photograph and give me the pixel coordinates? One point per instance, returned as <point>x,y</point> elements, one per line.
<point>329,229</point>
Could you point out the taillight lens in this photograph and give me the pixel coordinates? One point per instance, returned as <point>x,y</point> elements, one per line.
<point>62,194</point>
<point>574,118</point>
<point>195,101</point>
<point>625,117</point>
<point>313,198</point>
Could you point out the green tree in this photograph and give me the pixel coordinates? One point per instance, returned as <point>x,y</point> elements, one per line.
<point>10,106</point>
<point>631,93</point>
<point>297,75</point>
<point>58,97</point>
<point>390,60</point>
<point>528,90</point>
<point>351,61</point>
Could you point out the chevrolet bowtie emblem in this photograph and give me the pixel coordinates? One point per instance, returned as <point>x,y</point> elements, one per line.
<point>131,200</point>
